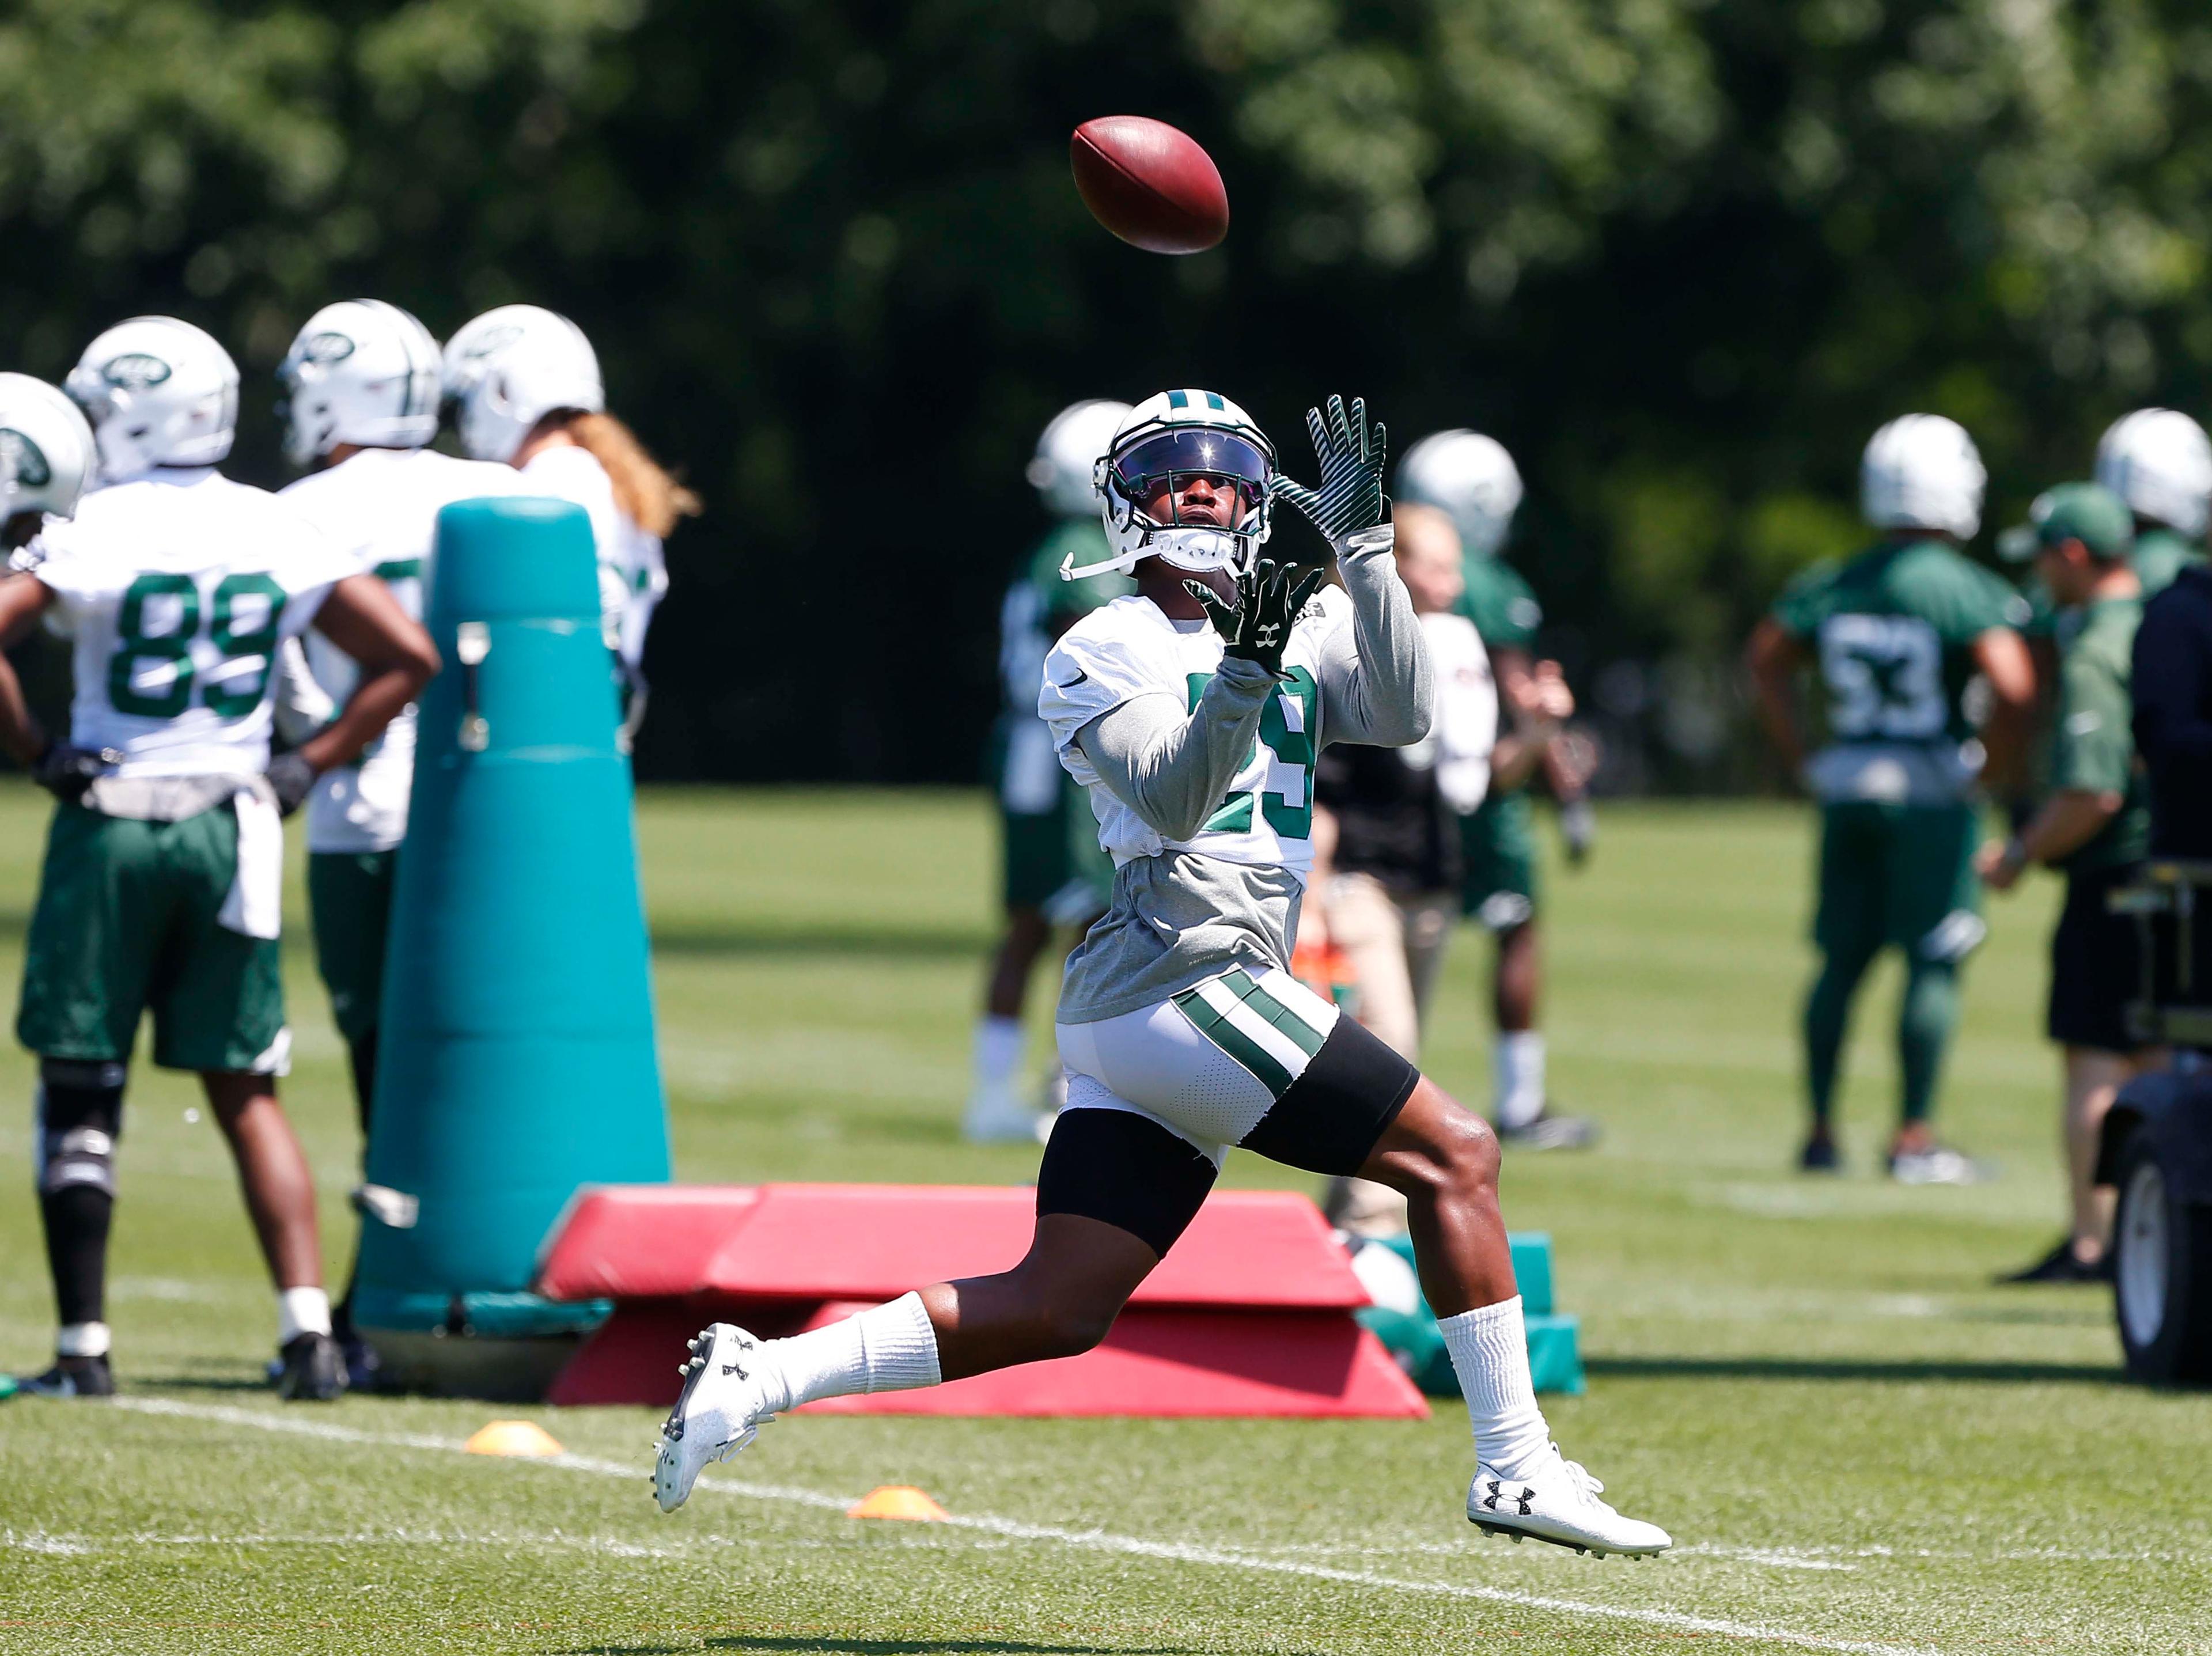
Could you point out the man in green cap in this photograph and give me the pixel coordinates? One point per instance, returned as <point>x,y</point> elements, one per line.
<point>2094,828</point>
<point>1897,635</point>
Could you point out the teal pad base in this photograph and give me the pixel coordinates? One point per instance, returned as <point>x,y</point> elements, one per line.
<point>1555,1361</point>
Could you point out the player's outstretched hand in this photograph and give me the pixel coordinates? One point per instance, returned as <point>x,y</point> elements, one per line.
<point>66,771</point>
<point>1352,451</point>
<point>291,779</point>
<point>1257,627</point>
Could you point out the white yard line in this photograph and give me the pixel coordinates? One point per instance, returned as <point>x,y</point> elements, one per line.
<point>1093,1540</point>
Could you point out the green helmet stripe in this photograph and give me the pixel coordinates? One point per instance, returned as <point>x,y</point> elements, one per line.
<point>1177,399</point>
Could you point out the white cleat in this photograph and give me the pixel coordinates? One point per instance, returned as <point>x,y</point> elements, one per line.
<point>720,1412</point>
<point>1559,1505</point>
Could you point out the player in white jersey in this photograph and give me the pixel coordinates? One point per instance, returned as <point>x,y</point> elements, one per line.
<point>1193,712</point>
<point>162,885</point>
<point>362,390</point>
<point>530,396</point>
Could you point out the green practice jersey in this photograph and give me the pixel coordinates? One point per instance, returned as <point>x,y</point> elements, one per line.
<point>1893,631</point>
<point>1500,605</point>
<point>2092,746</point>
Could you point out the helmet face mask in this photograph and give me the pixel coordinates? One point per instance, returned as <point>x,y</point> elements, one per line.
<point>158,392</point>
<point>1167,442</point>
<point>360,372</point>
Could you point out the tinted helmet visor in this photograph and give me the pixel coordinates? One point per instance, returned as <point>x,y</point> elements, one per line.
<point>1172,458</point>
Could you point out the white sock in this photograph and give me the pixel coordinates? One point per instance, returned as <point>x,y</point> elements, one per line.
<point>1519,1059</point>
<point>999,1042</point>
<point>890,1348</point>
<point>301,1311</point>
<point>1488,1349</point>
<point>82,1340</point>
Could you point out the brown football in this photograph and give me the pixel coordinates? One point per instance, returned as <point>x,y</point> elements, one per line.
<point>1150,184</point>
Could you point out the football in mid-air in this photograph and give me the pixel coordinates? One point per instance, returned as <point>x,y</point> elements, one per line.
<point>1150,184</point>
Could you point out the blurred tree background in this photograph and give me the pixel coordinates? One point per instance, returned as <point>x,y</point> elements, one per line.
<point>1681,256</point>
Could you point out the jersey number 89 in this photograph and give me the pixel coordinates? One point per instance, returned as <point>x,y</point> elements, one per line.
<point>242,617</point>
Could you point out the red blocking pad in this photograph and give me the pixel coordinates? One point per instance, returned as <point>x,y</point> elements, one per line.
<point>1248,1314</point>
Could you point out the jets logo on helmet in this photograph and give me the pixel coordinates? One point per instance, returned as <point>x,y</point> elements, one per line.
<point>1922,471</point>
<point>27,462</point>
<point>159,392</point>
<point>510,368</point>
<point>360,372</point>
<point>1468,477</point>
<point>45,445</point>
<point>135,371</point>
<point>2160,461</point>
<point>1163,443</point>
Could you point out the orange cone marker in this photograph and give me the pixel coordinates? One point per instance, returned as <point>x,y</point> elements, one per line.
<point>898,1500</point>
<point>514,1437</point>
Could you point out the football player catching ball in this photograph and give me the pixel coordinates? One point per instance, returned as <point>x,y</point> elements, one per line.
<point>1192,712</point>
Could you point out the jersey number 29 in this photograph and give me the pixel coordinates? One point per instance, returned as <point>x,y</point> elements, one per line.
<point>1290,747</point>
<point>241,622</point>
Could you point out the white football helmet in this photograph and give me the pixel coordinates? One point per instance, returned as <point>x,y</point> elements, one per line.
<point>1471,479</point>
<point>510,368</point>
<point>159,392</point>
<point>1068,453</point>
<point>1181,434</point>
<point>2159,461</point>
<point>361,372</point>
<point>1922,471</point>
<point>46,449</point>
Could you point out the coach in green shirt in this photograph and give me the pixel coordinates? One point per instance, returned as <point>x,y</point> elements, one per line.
<point>2094,828</point>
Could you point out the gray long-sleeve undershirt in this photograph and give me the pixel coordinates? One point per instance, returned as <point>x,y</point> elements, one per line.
<point>1178,918</point>
<point>1173,768</point>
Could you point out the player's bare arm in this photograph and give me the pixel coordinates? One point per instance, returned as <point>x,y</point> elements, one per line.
<point>2001,658</point>
<point>23,599</point>
<point>1772,660</point>
<point>397,660</point>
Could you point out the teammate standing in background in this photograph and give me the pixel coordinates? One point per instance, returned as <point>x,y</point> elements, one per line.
<point>2160,463</point>
<point>1472,481</point>
<point>361,392</point>
<point>1898,634</point>
<point>1054,875</point>
<point>1386,875</point>
<point>2094,827</point>
<point>162,883</point>
<point>530,396</point>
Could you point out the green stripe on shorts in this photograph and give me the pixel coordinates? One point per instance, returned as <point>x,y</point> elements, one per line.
<point>1240,1046</point>
<point>1302,1034</point>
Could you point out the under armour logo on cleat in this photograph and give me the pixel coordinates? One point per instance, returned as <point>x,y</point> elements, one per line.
<point>733,1368</point>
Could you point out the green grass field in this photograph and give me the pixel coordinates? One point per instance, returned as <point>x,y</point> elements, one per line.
<point>1859,1444</point>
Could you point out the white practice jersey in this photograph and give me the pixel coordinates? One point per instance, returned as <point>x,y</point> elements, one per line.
<point>178,588</point>
<point>633,570</point>
<point>1464,729</point>
<point>379,508</point>
<point>1130,648</point>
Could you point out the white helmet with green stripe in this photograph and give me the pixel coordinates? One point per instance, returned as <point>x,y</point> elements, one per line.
<point>1172,435</point>
<point>362,371</point>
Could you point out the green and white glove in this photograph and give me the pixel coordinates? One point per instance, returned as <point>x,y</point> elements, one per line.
<point>1351,452</point>
<point>1257,627</point>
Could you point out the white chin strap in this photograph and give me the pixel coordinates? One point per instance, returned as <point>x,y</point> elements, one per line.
<point>1198,550</point>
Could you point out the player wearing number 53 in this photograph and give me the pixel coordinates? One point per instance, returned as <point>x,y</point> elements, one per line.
<point>1897,635</point>
<point>1191,713</point>
<point>161,890</point>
